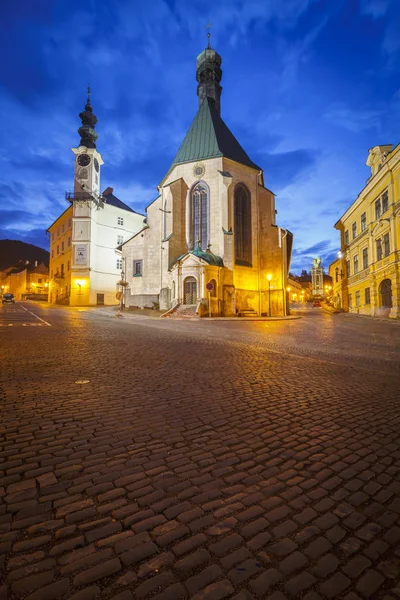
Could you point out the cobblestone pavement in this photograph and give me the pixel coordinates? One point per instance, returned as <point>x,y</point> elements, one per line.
<point>201,460</point>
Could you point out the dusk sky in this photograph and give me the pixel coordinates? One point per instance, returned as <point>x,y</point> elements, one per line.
<point>308,87</point>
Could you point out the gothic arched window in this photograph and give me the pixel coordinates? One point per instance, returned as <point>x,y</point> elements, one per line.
<point>199,207</point>
<point>242,224</point>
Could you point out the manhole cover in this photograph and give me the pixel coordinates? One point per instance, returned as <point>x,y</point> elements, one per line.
<point>82,381</point>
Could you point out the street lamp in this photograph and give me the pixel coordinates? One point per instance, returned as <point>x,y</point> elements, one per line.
<point>269,277</point>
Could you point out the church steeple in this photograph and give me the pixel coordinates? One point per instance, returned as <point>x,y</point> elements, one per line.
<point>208,75</point>
<point>89,120</point>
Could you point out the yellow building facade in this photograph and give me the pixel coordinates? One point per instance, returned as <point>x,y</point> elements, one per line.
<point>60,258</point>
<point>369,259</point>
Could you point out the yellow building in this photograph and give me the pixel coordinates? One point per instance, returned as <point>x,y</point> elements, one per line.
<point>27,281</point>
<point>370,240</point>
<point>60,258</point>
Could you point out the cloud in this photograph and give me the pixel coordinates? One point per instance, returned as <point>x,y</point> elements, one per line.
<point>354,120</point>
<point>374,8</point>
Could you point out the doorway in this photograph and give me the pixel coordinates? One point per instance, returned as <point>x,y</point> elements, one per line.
<point>385,292</point>
<point>100,299</point>
<point>190,290</point>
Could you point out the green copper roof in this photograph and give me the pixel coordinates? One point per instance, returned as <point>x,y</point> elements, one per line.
<point>209,137</point>
<point>208,257</point>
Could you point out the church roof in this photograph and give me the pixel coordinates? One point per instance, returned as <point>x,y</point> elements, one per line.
<point>209,137</point>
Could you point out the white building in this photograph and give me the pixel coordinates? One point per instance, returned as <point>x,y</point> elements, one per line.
<point>85,263</point>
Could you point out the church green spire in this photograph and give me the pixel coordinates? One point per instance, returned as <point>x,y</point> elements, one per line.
<point>89,120</point>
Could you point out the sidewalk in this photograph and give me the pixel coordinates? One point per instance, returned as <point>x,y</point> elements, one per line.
<point>112,311</point>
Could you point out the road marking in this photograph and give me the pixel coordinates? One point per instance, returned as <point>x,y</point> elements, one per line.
<point>31,313</point>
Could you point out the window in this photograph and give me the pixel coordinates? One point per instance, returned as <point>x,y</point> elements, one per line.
<point>358,298</point>
<point>354,230</point>
<point>120,240</point>
<point>120,220</point>
<point>199,216</point>
<point>367,296</point>
<point>363,221</point>
<point>63,228</point>
<point>385,202</point>
<point>242,224</point>
<point>62,246</point>
<point>62,270</point>
<point>355,264</point>
<point>58,232</point>
<point>379,249</point>
<point>348,268</point>
<point>386,245</point>
<point>346,237</point>
<point>52,254</point>
<point>350,301</point>
<point>69,265</point>
<point>365,258</point>
<point>58,249</point>
<point>39,280</point>
<point>119,263</point>
<point>378,210</point>
<point>137,268</point>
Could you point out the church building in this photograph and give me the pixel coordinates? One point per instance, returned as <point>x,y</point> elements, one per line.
<point>210,244</point>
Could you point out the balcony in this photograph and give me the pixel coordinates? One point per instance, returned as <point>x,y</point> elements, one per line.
<point>79,196</point>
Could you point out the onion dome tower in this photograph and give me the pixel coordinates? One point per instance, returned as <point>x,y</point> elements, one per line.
<point>208,75</point>
<point>86,130</point>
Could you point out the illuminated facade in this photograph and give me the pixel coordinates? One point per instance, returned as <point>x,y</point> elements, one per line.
<point>369,269</point>
<point>210,238</point>
<point>85,264</point>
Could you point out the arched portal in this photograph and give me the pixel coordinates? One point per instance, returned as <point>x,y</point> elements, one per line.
<point>190,290</point>
<point>242,225</point>
<point>385,293</point>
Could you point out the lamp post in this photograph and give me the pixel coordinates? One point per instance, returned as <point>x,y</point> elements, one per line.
<point>269,277</point>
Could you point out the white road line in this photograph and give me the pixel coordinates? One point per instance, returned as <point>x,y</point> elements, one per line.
<point>31,313</point>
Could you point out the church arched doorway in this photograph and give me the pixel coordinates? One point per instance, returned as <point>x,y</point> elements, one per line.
<point>385,293</point>
<point>190,290</point>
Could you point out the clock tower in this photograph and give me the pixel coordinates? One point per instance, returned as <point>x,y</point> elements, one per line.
<point>87,159</point>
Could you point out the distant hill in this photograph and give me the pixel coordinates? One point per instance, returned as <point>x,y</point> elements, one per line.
<point>13,251</point>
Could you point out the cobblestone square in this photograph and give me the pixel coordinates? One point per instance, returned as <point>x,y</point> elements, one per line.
<point>201,459</point>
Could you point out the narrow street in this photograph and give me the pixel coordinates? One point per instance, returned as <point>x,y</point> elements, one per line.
<point>151,458</point>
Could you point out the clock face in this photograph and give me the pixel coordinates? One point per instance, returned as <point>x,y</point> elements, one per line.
<point>96,164</point>
<point>83,160</point>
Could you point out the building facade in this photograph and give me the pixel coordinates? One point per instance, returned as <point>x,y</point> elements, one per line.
<point>26,281</point>
<point>85,263</point>
<point>210,240</point>
<point>370,240</point>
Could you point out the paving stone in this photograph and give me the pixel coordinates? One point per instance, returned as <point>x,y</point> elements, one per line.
<point>326,566</point>
<point>264,582</point>
<point>299,583</point>
<point>335,586</point>
<point>369,583</point>
<point>356,566</point>
<point>215,591</point>
<point>100,571</point>
<point>243,571</point>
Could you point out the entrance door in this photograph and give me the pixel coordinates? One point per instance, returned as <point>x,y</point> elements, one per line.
<point>100,299</point>
<point>385,290</point>
<point>190,290</point>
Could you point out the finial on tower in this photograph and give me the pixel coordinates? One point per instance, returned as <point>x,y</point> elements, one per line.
<point>208,35</point>
<point>89,120</point>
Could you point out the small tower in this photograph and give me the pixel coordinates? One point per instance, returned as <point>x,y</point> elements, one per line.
<point>208,75</point>
<point>88,160</point>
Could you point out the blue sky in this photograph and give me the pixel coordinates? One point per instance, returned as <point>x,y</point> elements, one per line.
<point>308,87</point>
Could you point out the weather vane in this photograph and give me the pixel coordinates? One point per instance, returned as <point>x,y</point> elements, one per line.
<point>208,34</point>
<point>88,92</point>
